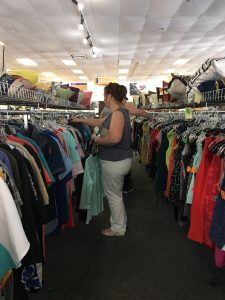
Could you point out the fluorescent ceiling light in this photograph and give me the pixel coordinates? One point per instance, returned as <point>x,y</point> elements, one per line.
<point>77,71</point>
<point>68,62</point>
<point>124,62</point>
<point>26,62</point>
<point>123,71</point>
<point>168,71</point>
<point>83,77</point>
<point>1,43</point>
<point>122,77</point>
<point>48,74</point>
<point>181,61</point>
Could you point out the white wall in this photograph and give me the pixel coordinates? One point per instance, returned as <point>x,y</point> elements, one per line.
<point>151,84</point>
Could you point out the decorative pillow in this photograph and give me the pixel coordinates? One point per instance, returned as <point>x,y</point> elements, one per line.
<point>211,69</point>
<point>16,88</point>
<point>27,74</point>
<point>177,88</point>
<point>64,93</point>
<point>27,84</point>
<point>87,99</point>
<point>80,97</point>
<point>75,91</point>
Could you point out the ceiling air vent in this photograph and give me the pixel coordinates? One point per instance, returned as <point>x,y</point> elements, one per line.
<point>79,56</point>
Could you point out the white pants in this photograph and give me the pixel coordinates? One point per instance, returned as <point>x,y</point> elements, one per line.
<point>113,173</point>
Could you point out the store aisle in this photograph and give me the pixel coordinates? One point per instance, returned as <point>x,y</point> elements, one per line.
<point>153,261</point>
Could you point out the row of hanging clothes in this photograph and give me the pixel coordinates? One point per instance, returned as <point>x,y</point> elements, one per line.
<point>41,177</point>
<point>185,159</point>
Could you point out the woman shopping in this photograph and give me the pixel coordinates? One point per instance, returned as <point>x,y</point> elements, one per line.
<point>115,154</point>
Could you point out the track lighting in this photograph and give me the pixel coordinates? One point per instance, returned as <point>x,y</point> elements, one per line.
<point>85,41</point>
<point>81,25</point>
<point>79,5</point>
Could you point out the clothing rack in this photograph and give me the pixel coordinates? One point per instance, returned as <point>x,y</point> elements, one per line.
<point>30,114</point>
<point>209,112</point>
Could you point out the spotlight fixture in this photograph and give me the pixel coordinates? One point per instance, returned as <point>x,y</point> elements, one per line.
<point>81,25</point>
<point>79,5</point>
<point>85,41</point>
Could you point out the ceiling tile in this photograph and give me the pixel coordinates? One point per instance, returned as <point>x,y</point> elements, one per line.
<point>105,8</point>
<point>217,8</point>
<point>131,24</point>
<point>182,24</point>
<point>16,8</point>
<point>205,24</point>
<point>133,8</point>
<point>107,24</point>
<point>164,8</point>
<point>193,8</point>
<point>43,9</point>
<point>156,24</point>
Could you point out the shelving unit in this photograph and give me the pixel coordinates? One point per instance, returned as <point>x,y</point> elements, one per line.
<point>10,95</point>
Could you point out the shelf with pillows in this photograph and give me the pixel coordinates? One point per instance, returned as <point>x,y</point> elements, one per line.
<point>18,92</point>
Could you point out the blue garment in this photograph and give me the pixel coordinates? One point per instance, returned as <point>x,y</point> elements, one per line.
<point>30,278</point>
<point>42,158</point>
<point>4,158</point>
<point>53,154</point>
<point>67,161</point>
<point>217,230</point>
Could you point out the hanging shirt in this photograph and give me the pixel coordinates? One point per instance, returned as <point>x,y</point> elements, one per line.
<point>13,241</point>
<point>92,188</point>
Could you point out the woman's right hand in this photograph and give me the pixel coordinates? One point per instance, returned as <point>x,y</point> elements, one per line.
<point>74,120</point>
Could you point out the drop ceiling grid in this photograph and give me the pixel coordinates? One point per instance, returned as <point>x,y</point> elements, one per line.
<point>121,29</point>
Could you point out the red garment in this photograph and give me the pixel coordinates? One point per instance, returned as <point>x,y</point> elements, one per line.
<point>170,170</point>
<point>70,222</point>
<point>219,257</point>
<point>197,222</point>
<point>58,132</point>
<point>211,190</point>
<point>152,139</point>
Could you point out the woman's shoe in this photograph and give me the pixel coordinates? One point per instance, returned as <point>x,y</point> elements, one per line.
<point>110,232</point>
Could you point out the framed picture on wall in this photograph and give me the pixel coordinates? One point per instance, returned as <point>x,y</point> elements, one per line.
<point>137,88</point>
<point>133,89</point>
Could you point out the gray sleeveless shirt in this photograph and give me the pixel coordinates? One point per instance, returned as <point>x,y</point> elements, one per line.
<point>119,151</point>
